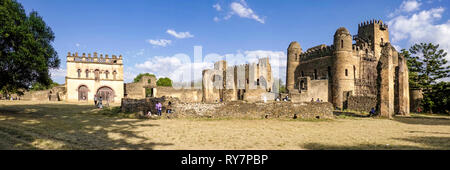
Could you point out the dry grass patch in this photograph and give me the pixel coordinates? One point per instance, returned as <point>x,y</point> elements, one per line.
<point>51,125</point>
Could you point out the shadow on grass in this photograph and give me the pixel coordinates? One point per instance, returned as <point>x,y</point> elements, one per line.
<point>422,120</point>
<point>68,126</point>
<point>426,143</point>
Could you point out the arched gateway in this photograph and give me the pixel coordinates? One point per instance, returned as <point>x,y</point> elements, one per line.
<point>106,93</point>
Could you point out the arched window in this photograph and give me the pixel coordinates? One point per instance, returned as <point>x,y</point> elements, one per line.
<point>381,40</point>
<point>342,43</point>
<point>97,74</point>
<point>79,73</point>
<point>114,74</point>
<point>87,73</point>
<point>346,72</point>
<point>106,74</point>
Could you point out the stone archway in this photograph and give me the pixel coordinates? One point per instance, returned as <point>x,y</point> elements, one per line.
<point>106,93</point>
<point>83,93</point>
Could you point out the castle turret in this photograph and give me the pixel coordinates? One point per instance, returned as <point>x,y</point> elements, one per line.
<point>293,60</point>
<point>374,32</point>
<point>343,67</point>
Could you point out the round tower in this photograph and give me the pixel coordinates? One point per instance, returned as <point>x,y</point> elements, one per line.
<point>343,68</point>
<point>293,60</point>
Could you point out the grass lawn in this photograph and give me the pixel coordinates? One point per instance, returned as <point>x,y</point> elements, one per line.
<point>56,125</point>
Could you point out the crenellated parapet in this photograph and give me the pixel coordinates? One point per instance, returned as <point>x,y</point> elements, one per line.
<point>315,52</point>
<point>372,22</point>
<point>95,58</point>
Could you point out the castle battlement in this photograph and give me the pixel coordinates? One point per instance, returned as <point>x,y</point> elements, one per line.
<point>74,57</point>
<point>317,52</point>
<point>371,23</point>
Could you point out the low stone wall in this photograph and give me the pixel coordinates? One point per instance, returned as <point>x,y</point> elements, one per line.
<point>362,103</point>
<point>256,110</point>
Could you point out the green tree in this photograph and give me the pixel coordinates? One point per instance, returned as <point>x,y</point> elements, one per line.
<point>139,77</point>
<point>38,86</point>
<point>427,64</point>
<point>26,52</point>
<point>164,82</point>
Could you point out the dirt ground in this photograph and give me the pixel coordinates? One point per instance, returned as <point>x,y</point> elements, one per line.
<point>53,125</point>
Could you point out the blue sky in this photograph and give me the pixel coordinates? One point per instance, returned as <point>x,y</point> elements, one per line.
<point>149,33</point>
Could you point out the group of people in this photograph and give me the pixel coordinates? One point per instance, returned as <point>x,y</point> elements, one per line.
<point>158,108</point>
<point>318,100</point>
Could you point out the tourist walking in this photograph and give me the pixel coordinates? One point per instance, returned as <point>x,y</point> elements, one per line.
<point>95,100</point>
<point>100,105</point>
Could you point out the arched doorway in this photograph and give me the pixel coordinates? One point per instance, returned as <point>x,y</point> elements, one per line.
<point>83,93</point>
<point>106,93</point>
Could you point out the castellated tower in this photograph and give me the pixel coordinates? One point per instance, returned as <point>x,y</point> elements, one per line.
<point>374,32</point>
<point>343,78</point>
<point>293,60</point>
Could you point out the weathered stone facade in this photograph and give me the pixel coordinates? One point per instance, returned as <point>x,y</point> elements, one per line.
<point>250,82</point>
<point>137,90</point>
<point>88,76</point>
<point>365,64</point>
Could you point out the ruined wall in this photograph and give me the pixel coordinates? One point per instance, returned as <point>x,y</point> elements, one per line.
<point>362,103</point>
<point>256,110</point>
<point>416,96</point>
<point>315,89</point>
<point>137,90</point>
<point>55,94</point>
<point>184,95</point>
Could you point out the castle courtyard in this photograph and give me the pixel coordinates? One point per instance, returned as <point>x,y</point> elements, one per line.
<point>64,125</point>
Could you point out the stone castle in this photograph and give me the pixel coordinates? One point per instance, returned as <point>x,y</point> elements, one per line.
<point>357,72</point>
<point>250,82</point>
<point>88,76</point>
<point>368,73</point>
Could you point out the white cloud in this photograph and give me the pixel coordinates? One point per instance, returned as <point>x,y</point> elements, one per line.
<point>217,7</point>
<point>410,6</point>
<point>420,27</point>
<point>160,42</point>
<point>58,75</point>
<point>77,44</point>
<point>242,10</point>
<point>216,19</point>
<point>180,35</point>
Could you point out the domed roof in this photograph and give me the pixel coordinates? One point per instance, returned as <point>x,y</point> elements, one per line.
<point>294,44</point>
<point>342,30</point>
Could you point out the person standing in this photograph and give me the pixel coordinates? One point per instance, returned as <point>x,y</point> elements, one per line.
<point>159,108</point>
<point>95,100</point>
<point>100,106</point>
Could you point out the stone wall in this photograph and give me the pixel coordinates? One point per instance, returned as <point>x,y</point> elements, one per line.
<point>316,89</point>
<point>362,103</point>
<point>184,95</point>
<point>240,109</point>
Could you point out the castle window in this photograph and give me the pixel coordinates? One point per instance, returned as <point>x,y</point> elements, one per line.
<point>303,74</point>
<point>257,82</point>
<point>315,74</point>
<point>97,74</point>
<point>346,72</point>
<point>79,73</point>
<point>342,43</point>
<point>87,73</point>
<point>114,74</point>
<point>354,72</point>
<point>381,40</point>
<point>106,74</point>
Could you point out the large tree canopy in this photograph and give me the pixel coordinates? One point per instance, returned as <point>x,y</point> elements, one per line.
<point>427,65</point>
<point>167,82</point>
<point>26,51</point>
